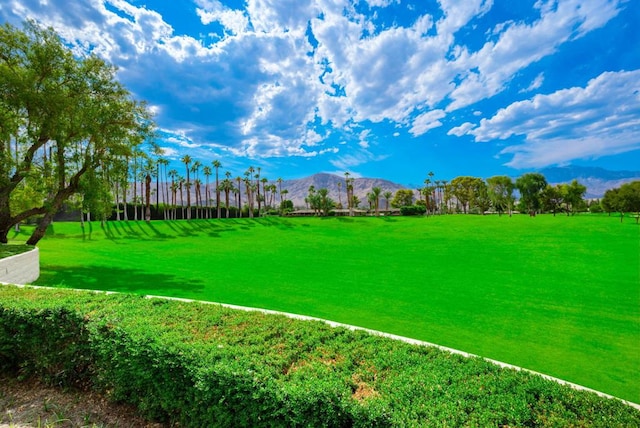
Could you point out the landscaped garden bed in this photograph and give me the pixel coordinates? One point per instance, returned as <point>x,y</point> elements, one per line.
<point>206,365</point>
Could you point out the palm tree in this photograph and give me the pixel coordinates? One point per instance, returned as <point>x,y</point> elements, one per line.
<point>227,186</point>
<point>376,198</point>
<point>217,165</point>
<point>195,169</point>
<point>186,159</point>
<point>339,193</point>
<point>148,171</point>
<point>239,195</point>
<point>198,183</point>
<point>248,186</point>
<point>371,198</point>
<point>264,182</point>
<point>284,194</point>
<point>173,174</point>
<point>181,181</point>
<point>444,194</point>
<point>206,170</point>
<point>346,188</point>
<point>279,180</point>
<point>387,196</point>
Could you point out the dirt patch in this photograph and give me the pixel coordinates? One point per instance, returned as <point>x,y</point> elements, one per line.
<point>30,403</point>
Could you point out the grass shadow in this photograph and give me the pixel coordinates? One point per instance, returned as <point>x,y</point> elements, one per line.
<point>110,278</point>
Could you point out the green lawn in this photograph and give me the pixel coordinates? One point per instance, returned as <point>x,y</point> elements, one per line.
<point>559,295</point>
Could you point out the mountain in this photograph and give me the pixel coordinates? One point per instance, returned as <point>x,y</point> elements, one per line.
<point>597,180</point>
<point>299,189</point>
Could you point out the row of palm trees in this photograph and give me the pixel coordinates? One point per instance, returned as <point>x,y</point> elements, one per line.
<point>259,193</point>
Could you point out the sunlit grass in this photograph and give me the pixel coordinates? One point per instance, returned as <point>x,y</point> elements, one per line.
<point>559,295</point>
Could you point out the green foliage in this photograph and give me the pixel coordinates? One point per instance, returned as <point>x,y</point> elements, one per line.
<point>402,198</point>
<point>61,118</point>
<point>205,365</point>
<point>413,209</point>
<point>530,186</point>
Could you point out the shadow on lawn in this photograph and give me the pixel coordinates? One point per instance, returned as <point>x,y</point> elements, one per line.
<point>111,278</point>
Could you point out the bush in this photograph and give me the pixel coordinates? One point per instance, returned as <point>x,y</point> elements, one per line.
<point>413,210</point>
<point>204,365</point>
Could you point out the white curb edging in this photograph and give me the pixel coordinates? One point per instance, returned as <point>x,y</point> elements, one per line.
<point>23,268</point>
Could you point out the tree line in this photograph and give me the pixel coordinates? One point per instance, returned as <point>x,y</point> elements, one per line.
<point>73,137</point>
<point>529,193</point>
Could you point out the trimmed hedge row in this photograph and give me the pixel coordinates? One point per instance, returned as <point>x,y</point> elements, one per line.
<point>206,365</point>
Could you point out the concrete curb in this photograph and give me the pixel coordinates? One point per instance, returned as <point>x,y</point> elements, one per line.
<point>22,268</point>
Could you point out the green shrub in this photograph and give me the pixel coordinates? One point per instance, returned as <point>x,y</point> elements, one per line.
<point>205,365</point>
<point>413,210</point>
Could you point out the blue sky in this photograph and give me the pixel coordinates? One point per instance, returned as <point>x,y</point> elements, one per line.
<point>379,88</point>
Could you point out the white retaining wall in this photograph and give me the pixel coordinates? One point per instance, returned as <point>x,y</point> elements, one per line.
<point>20,269</point>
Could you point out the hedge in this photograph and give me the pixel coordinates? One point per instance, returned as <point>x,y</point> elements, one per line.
<point>197,364</point>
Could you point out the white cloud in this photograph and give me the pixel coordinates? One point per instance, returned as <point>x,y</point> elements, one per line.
<point>461,130</point>
<point>487,71</point>
<point>264,88</point>
<point>235,21</point>
<point>426,121</point>
<point>535,84</point>
<point>600,119</point>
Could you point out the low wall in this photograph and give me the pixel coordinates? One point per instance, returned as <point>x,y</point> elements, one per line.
<point>20,269</point>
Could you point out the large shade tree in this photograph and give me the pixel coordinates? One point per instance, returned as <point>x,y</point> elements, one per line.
<point>500,189</point>
<point>530,186</point>
<point>60,117</point>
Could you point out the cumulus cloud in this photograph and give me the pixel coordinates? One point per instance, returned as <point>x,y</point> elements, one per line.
<point>234,21</point>
<point>426,121</point>
<point>600,119</point>
<point>461,130</point>
<point>286,71</point>
<point>486,72</point>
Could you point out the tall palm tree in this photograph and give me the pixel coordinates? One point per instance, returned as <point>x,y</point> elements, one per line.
<point>181,181</point>
<point>198,183</point>
<point>257,187</point>
<point>339,193</point>
<point>375,192</point>
<point>427,192</point>
<point>279,180</point>
<point>216,164</point>
<point>346,188</point>
<point>148,172</point>
<point>196,169</point>
<point>264,182</point>
<point>248,186</point>
<point>162,171</point>
<point>387,197</point>
<point>227,187</point>
<point>206,170</point>
<point>186,160</point>
<point>239,195</point>
<point>173,174</point>
<point>371,198</point>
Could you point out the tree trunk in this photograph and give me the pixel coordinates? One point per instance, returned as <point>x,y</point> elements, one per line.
<point>41,229</point>
<point>147,197</point>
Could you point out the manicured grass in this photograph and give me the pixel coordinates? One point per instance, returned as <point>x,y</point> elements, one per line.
<point>559,295</point>
<point>12,250</point>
